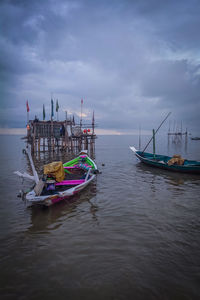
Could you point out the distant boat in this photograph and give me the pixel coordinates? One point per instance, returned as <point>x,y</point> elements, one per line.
<point>62,180</point>
<point>176,163</point>
<point>195,138</point>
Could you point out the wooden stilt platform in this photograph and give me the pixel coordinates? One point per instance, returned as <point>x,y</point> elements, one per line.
<point>51,136</point>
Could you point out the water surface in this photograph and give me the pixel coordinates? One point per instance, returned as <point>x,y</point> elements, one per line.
<point>133,234</point>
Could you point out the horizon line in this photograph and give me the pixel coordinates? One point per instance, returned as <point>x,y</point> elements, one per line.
<point>98,131</point>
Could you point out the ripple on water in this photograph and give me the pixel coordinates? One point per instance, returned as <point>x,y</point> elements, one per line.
<point>134,233</point>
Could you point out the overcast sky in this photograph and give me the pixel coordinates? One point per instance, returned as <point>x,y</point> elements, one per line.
<point>131,61</point>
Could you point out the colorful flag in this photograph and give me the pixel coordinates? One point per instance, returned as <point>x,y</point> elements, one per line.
<point>57,106</point>
<point>52,114</point>
<point>81,101</point>
<point>43,112</point>
<point>27,106</point>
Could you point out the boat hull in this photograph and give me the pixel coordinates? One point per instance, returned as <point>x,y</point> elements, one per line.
<point>49,200</point>
<point>87,162</point>
<point>70,186</point>
<point>161,161</point>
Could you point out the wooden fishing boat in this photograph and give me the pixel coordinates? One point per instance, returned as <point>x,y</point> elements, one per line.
<point>195,138</point>
<point>68,179</point>
<point>175,163</point>
<point>82,159</point>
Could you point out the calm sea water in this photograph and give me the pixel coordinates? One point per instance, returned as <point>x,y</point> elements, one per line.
<point>133,234</point>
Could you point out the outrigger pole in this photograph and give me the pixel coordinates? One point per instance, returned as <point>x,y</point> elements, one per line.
<point>35,174</point>
<point>156,131</point>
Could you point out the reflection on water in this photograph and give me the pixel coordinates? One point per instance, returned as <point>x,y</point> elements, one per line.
<point>50,218</point>
<point>173,178</point>
<point>178,143</point>
<point>132,234</point>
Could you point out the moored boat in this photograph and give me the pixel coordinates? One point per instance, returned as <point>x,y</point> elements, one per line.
<point>61,181</point>
<point>175,163</point>
<point>195,138</point>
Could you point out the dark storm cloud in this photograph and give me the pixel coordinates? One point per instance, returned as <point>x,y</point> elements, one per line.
<point>131,61</point>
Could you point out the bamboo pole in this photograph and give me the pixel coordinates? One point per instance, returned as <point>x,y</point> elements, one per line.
<point>139,137</point>
<point>39,144</point>
<point>154,144</point>
<point>35,174</point>
<point>43,144</point>
<point>157,131</point>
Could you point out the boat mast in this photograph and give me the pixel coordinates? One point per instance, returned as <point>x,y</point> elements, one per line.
<point>139,137</point>
<point>154,144</point>
<point>156,131</point>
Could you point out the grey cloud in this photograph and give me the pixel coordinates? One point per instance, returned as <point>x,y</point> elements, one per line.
<point>131,61</point>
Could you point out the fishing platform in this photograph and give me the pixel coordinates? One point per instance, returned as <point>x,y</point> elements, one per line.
<point>60,136</point>
<point>176,131</point>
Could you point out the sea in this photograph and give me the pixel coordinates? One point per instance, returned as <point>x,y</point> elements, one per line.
<point>134,233</point>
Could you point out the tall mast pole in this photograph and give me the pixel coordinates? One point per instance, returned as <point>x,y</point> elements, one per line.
<point>81,112</point>
<point>156,131</point>
<point>139,137</point>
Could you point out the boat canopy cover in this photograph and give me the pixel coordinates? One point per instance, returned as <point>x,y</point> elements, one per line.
<point>56,170</point>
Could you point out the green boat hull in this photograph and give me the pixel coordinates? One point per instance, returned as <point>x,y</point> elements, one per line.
<point>161,161</point>
<point>84,159</point>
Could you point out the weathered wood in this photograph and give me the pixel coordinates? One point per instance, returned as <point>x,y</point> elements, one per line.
<point>43,144</point>
<point>73,139</point>
<point>39,144</point>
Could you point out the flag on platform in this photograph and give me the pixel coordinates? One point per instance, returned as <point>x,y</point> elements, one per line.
<point>57,105</point>
<point>52,114</point>
<point>43,112</point>
<point>27,106</point>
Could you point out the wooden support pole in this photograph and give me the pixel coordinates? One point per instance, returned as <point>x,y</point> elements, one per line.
<point>43,144</point>
<point>39,144</point>
<point>34,138</point>
<point>48,143</point>
<point>71,132</point>
<point>86,142</point>
<point>62,142</point>
<point>53,144</point>
<point>44,136</point>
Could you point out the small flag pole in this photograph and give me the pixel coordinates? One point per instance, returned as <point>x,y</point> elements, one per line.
<point>57,108</point>
<point>43,112</point>
<point>81,112</point>
<point>52,112</point>
<point>27,109</point>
